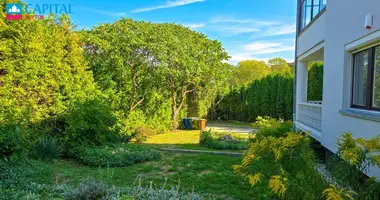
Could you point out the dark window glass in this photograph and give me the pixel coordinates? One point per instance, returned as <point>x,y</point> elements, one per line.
<point>360,78</point>
<point>366,79</point>
<point>376,79</point>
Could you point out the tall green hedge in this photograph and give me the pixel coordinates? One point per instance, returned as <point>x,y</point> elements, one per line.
<point>269,96</point>
<point>315,82</point>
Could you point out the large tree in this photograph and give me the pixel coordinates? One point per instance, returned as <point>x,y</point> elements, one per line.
<point>42,67</point>
<point>121,57</point>
<point>187,60</point>
<point>279,65</point>
<point>250,70</point>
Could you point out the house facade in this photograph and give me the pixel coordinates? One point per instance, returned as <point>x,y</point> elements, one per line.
<point>345,35</point>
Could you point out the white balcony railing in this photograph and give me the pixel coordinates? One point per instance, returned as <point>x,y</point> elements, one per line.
<point>310,114</point>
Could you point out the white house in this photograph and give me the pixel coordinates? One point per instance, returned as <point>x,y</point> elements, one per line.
<point>345,35</point>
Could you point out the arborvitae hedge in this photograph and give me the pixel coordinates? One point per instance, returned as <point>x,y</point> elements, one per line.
<point>315,81</point>
<point>270,96</point>
<point>264,97</point>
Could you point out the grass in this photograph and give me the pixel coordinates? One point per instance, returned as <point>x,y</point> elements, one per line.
<point>184,139</point>
<point>209,175</point>
<point>189,171</point>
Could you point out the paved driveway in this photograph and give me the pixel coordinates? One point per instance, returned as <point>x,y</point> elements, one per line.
<point>230,128</point>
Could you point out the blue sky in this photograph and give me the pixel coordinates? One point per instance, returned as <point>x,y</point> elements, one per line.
<point>248,29</point>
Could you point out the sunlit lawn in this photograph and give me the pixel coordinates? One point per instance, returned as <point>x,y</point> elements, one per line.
<point>209,175</point>
<point>182,139</point>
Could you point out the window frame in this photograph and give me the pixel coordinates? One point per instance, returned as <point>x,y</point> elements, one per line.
<point>368,104</point>
<point>302,17</point>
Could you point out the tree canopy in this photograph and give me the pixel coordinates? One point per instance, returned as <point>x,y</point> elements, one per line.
<point>279,65</point>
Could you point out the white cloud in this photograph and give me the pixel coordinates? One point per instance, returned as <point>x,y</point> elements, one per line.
<point>226,19</point>
<point>194,26</point>
<point>235,29</point>
<point>266,47</point>
<point>168,4</point>
<point>262,50</point>
<point>277,30</point>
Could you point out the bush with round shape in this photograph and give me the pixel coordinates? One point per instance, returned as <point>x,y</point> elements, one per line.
<point>141,134</point>
<point>91,123</point>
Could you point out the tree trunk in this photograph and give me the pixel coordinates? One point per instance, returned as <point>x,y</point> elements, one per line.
<point>174,118</point>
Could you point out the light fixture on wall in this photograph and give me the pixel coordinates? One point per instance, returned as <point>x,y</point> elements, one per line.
<point>369,21</point>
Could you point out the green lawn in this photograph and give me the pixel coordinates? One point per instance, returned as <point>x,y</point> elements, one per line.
<point>183,139</point>
<point>209,175</point>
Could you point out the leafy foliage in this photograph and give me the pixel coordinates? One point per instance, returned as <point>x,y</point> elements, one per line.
<point>354,157</point>
<point>89,190</point>
<point>15,135</point>
<point>223,141</point>
<point>333,193</point>
<point>114,156</point>
<point>315,81</point>
<point>142,133</point>
<point>49,147</point>
<point>283,161</point>
<point>279,65</point>
<point>45,77</point>
<point>132,59</point>
<point>91,123</point>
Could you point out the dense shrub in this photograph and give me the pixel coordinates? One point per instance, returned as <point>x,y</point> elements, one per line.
<point>223,141</point>
<point>45,76</point>
<point>271,127</point>
<point>315,81</point>
<point>15,135</point>
<point>91,123</point>
<point>49,147</point>
<point>141,134</point>
<point>284,162</point>
<point>114,156</point>
<point>354,158</point>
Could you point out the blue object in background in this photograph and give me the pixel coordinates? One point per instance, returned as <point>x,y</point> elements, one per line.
<point>186,123</point>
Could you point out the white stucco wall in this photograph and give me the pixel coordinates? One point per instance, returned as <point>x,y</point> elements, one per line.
<point>344,24</point>
<point>312,36</point>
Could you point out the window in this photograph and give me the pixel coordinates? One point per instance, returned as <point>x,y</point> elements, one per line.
<point>309,10</point>
<point>366,79</point>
